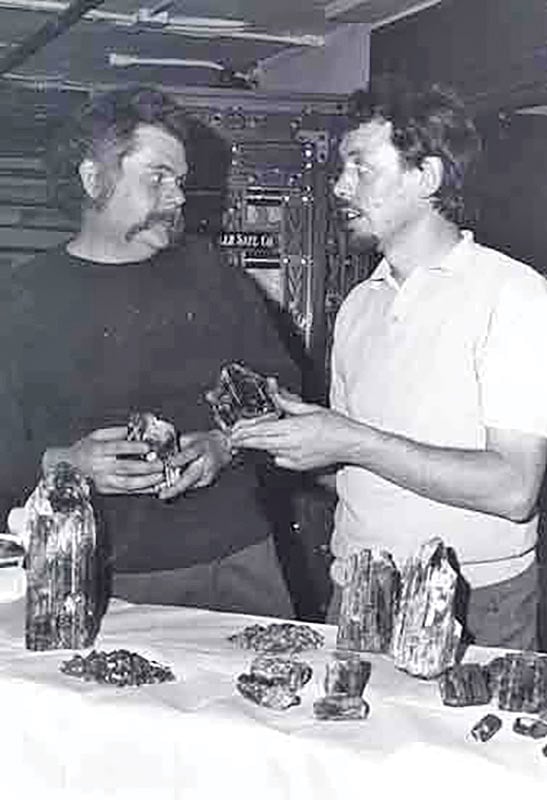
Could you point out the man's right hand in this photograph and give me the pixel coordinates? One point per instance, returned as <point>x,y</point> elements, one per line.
<point>115,465</point>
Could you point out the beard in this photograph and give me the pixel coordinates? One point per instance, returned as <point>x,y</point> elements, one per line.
<point>172,221</point>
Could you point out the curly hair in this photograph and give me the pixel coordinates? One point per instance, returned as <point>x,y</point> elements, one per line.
<point>103,130</point>
<point>426,121</point>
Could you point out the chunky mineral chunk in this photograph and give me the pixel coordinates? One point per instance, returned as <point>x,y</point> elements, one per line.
<point>465,685</point>
<point>528,726</point>
<point>369,602</point>
<point>160,435</point>
<point>485,728</point>
<point>520,682</point>
<point>240,393</point>
<point>291,671</point>
<point>347,673</point>
<point>426,636</point>
<point>268,692</point>
<point>341,707</point>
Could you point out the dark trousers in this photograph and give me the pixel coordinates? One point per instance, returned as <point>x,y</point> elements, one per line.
<point>248,581</point>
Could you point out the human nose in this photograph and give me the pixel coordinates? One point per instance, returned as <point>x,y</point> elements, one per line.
<point>342,187</point>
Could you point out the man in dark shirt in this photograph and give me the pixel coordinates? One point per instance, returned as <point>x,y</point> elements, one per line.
<point>120,319</point>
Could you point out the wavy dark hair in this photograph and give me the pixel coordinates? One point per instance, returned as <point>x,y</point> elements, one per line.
<point>426,121</point>
<point>103,129</point>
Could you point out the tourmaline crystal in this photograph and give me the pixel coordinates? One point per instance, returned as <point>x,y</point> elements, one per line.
<point>66,579</point>
<point>369,601</point>
<point>426,635</point>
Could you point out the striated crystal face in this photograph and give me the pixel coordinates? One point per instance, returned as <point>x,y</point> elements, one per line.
<point>369,602</point>
<point>239,393</point>
<point>67,585</point>
<point>427,634</point>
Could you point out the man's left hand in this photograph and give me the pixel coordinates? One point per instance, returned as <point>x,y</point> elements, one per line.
<point>202,455</point>
<point>308,437</point>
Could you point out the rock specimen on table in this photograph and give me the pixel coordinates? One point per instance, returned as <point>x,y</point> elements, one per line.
<point>117,668</point>
<point>278,637</point>
<point>67,583</point>
<point>528,726</point>
<point>160,435</point>
<point>268,693</point>
<point>426,636</point>
<point>346,675</point>
<point>292,671</point>
<point>240,393</point>
<point>341,707</point>
<point>519,681</point>
<point>465,685</point>
<point>486,727</point>
<point>274,682</point>
<point>369,602</point>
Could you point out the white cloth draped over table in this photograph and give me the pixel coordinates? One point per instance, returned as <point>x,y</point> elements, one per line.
<point>198,739</point>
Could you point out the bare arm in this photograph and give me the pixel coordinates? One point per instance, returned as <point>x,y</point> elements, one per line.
<point>503,479</point>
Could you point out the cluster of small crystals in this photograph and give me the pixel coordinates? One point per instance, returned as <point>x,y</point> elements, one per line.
<point>278,637</point>
<point>118,668</point>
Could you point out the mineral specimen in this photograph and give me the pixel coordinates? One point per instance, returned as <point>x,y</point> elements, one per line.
<point>67,577</point>
<point>346,676</point>
<point>160,435</point>
<point>528,726</point>
<point>240,393</point>
<point>426,635</point>
<point>290,671</point>
<point>465,685</point>
<point>277,637</point>
<point>271,693</point>
<point>346,673</point>
<point>369,602</point>
<point>340,707</point>
<point>520,682</point>
<point>486,728</point>
<point>273,681</point>
<point>117,668</point>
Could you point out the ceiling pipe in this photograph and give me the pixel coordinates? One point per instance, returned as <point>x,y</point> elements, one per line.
<point>49,31</point>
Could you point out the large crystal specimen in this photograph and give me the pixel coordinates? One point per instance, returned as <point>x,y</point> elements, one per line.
<point>369,602</point>
<point>160,435</point>
<point>67,589</point>
<point>240,393</point>
<point>426,636</point>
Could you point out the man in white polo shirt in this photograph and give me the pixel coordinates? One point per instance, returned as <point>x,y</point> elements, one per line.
<point>439,370</point>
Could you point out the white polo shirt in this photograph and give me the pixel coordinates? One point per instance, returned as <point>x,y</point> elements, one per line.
<point>458,347</point>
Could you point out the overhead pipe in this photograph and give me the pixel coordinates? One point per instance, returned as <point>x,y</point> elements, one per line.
<point>152,19</point>
<point>49,31</point>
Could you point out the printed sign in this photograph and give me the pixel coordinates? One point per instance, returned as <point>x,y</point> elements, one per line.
<point>250,240</point>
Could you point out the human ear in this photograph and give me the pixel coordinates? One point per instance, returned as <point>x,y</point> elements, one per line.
<point>431,175</point>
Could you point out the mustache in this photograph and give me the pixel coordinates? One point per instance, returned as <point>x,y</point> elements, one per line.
<point>174,220</point>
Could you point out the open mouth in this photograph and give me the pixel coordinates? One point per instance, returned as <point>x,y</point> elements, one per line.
<point>349,214</point>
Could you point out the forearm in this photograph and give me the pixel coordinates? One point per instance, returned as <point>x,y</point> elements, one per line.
<point>481,480</point>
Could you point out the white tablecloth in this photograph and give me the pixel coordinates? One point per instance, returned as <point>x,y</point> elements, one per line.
<point>198,738</point>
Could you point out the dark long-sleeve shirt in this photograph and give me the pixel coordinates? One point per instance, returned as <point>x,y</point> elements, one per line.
<point>85,343</point>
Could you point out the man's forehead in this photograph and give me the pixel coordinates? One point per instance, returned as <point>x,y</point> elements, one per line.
<point>367,138</point>
<point>152,143</point>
